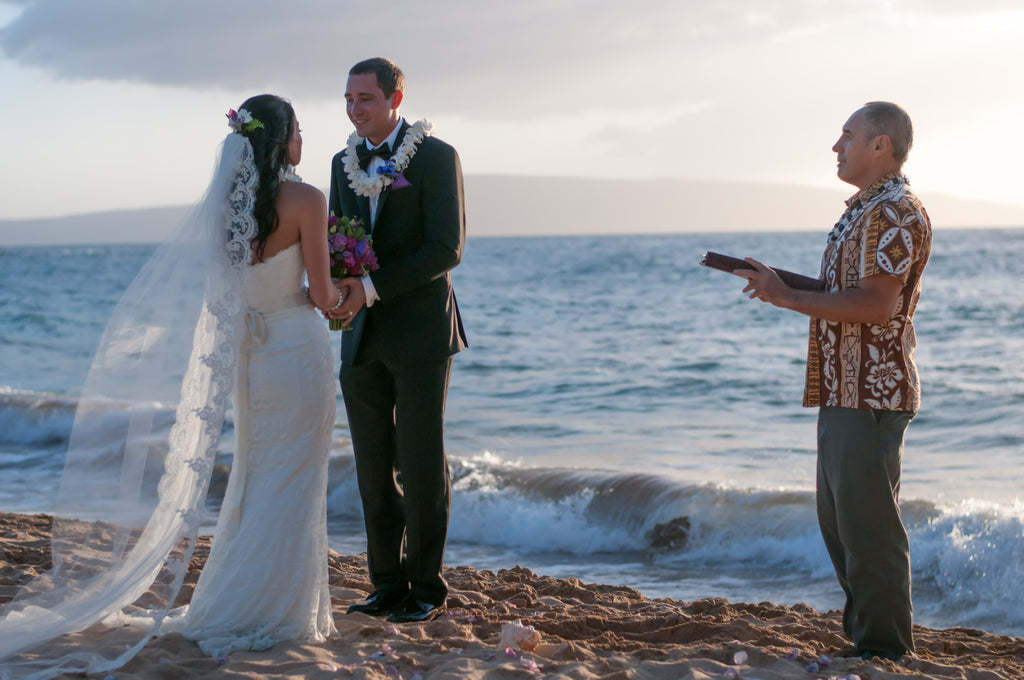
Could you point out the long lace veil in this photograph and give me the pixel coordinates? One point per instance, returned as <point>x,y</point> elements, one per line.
<point>132,497</point>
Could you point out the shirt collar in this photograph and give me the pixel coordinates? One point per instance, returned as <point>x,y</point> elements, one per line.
<point>390,139</point>
<point>874,188</point>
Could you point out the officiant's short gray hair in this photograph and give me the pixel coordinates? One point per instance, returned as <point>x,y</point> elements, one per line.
<point>390,78</point>
<point>886,118</point>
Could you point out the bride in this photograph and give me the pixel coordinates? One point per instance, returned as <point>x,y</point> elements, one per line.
<point>233,278</point>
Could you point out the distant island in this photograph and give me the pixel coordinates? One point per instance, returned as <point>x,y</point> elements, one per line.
<point>537,206</point>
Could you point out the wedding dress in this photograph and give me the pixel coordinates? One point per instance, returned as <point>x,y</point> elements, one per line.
<point>197,325</point>
<point>266,577</point>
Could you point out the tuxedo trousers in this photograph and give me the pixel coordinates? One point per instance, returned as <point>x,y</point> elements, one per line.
<point>860,454</point>
<point>396,419</point>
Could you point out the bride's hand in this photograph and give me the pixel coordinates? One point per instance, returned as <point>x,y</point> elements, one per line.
<point>354,296</point>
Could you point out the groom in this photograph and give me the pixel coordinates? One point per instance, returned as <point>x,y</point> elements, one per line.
<point>396,360</point>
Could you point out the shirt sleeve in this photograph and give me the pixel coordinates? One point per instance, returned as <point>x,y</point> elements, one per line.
<point>370,290</point>
<point>893,239</point>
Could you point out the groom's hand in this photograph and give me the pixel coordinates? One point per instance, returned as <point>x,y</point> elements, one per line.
<point>354,297</point>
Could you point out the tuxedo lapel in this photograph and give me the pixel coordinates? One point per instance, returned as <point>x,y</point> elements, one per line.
<point>385,192</point>
<point>364,212</point>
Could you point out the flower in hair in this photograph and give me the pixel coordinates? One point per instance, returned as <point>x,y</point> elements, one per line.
<point>242,122</point>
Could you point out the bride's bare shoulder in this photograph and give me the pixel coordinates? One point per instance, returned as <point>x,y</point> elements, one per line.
<point>299,197</point>
<point>299,191</point>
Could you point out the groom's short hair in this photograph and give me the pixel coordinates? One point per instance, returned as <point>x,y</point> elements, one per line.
<point>390,78</point>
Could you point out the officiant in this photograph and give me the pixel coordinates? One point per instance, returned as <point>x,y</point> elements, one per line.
<point>861,373</point>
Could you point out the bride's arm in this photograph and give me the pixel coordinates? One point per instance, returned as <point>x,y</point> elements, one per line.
<point>312,215</point>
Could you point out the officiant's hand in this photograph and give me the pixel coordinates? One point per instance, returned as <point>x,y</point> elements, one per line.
<point>763,283</point>
<point>354,296</point>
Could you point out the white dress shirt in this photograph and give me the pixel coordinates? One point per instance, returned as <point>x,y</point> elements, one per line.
<point>371,170</point>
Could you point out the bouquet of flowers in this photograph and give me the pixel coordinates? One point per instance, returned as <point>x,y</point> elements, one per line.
<point>351,252</point>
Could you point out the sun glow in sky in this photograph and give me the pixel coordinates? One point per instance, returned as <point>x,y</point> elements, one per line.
<point>113,105</point>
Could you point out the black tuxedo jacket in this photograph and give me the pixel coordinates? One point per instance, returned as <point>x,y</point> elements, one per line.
<point>419,237</point>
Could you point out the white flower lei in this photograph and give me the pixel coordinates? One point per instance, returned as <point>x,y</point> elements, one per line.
<point>360,182</point>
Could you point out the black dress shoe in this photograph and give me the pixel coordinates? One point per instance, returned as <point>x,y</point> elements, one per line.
<point>413,610</point>
<point>379,603</point>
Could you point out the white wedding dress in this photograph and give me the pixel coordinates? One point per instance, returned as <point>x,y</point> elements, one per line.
<point>196,326</point>
<point>266,577</point>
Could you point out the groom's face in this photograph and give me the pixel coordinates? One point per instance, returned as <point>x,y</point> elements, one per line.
<point>373,115</point>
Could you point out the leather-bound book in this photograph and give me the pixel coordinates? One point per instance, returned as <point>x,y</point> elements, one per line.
<point>726,263</point>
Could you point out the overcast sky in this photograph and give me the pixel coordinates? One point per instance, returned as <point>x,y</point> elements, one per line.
<point>119,103</point>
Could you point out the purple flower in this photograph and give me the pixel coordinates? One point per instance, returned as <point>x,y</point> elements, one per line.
<point>350,249</point>
<point>530,665</point>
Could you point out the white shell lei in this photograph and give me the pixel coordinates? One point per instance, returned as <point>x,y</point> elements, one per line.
<point>362,183</point>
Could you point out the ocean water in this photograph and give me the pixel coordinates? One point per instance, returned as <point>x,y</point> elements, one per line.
<point>615,391</point>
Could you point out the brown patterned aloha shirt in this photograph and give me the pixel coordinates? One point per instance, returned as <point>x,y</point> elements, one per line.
<point>885,230</point>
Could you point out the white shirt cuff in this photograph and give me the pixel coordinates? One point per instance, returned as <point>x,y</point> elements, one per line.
<point>371,292</point>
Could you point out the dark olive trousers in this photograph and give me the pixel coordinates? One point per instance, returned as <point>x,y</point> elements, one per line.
<point>860,453</point>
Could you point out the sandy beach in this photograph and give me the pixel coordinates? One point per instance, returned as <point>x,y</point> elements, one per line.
<point>515,623</point>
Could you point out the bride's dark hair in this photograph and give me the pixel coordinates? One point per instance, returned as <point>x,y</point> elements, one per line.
<point>270,150</point>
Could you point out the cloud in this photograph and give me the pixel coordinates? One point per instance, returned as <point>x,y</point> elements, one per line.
<point>461,56</point>
<point>726,89</point>
<point>526,59</point>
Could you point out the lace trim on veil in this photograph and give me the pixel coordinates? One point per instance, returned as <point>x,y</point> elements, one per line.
<point>240,221</point>
<point>241,227</point>
<point>130,566</point>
